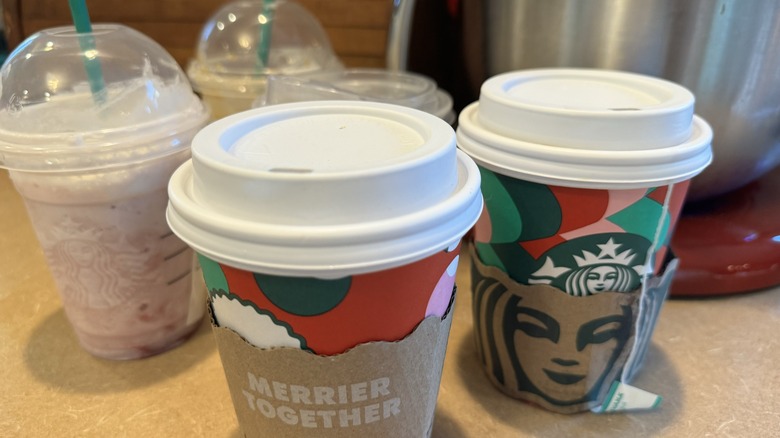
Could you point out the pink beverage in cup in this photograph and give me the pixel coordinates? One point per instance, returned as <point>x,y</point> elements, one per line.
<point>92,168</point>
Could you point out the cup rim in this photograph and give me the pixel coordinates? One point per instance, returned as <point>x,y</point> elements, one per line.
<point>354,215</point>
<point>402,240</point>
<point>600,109</point>
<point>97,29</point>
<point>586,168</point>
<point>681,97</point>
<point>207,149</point>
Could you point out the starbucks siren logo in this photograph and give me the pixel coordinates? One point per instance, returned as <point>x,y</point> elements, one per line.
<point>610,270</point>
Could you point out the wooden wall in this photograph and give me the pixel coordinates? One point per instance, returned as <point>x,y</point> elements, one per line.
<point>357,28</point>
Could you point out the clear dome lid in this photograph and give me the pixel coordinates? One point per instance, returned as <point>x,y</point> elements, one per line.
<point>72,101</point>
<point>245,41</point>
<point>375,85</point>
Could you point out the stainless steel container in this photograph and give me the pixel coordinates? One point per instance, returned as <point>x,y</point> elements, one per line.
<point>726,51</point>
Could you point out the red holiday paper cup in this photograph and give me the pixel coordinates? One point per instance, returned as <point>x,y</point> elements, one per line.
<point>323,225</point>
<point>584,176</point>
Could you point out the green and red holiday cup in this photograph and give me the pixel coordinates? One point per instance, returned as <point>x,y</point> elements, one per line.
<point>325,225</point>
<point>584,173</point>
<point>92,125</point>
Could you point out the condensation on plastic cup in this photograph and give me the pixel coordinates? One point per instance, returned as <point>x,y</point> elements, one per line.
<point>297,190</point>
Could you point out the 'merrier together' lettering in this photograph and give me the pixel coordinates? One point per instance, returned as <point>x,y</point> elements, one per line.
<point>321,403</point>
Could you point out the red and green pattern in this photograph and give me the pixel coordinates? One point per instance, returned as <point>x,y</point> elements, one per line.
<point>331,316</point>
<point>528,228</point>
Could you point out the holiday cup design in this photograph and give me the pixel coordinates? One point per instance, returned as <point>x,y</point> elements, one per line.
<point>584,173</point>
<point>331,227</point>
<point>542,345</point>
<point>329,316</point>
<point>582,241</point>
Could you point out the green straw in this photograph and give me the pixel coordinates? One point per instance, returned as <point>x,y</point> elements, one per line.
<point>264,46</point>
<point>80,14</point>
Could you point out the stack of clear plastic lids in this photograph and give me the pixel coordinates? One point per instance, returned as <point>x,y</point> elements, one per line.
<point>73,101</point>
<point>375,85</point>
<point>245,41</point>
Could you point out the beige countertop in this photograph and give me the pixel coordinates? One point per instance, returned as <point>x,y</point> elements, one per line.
<point>715,361</point>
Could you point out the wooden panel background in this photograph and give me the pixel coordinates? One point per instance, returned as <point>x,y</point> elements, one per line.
<point>357,28</point>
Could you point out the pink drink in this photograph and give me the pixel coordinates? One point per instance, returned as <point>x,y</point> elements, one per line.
<point>90,143</point>
<point>123,276</point>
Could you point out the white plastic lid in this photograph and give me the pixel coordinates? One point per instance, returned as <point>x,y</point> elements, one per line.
<point>578,167</point>
<point>324,189</point>
<point>66,106</point>
<point>587,108</point>
<point>373,85</point>
<point>247,40</point>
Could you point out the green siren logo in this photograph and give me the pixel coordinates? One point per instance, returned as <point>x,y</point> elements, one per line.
<point>613,267</point>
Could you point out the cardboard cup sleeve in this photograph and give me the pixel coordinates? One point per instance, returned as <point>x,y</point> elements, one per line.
<point>376,389</point>
<point>558,351</point>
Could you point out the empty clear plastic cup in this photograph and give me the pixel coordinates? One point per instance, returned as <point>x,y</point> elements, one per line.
<point>91,128</point>
<point>375,85</point>
<point>245,41</point>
